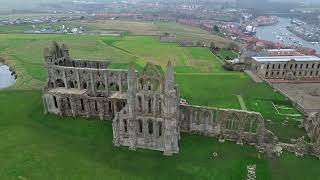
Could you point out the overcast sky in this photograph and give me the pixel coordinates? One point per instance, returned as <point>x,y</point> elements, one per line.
<point>28,3</point>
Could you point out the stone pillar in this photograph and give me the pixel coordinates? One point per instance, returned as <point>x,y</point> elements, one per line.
<point>167,138</point>
<point>133,134</point>
<point>73,106</point>
<point>116,129</point>
<point>101,109</point>
<point>78,79</point>
<point>59,102</point>
<point>64,77</point>
<point>106,82</point>
<point>120,83</point>
<point>93,86</point>
<point>87,107</point>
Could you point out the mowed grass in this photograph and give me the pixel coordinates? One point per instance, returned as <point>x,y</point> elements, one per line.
<point>38,146</point>
<point>221,90</point>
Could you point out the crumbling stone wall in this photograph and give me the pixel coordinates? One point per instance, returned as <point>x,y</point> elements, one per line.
<point>144,107</point>
<point>236,125</point>
<point>150,119</point>
<point>312,127</point>
<point>98,82</point>
<point>82,88</point>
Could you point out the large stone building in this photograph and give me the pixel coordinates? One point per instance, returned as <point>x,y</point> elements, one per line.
<point>144,107</point>
<point>287,67</point>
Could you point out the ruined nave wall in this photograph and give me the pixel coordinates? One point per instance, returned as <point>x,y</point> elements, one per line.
<point>240,126</point>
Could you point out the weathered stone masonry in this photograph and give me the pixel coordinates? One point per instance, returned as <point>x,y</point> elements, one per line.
<point>144,107</point>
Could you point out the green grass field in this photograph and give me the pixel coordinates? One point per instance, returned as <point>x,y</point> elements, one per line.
<point>35,146</point>
<point>38,146</point>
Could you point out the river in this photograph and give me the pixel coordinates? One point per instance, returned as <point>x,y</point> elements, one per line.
<point>6,79</point>
<point>279,31</point>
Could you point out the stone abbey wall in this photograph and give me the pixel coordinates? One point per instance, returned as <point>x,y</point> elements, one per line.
<point>144,107</point>
<point>150,119</point>
<point>236,125</point>
<point>98,82</point>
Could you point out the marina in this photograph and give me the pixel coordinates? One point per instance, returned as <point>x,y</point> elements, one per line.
<point>280,34</point>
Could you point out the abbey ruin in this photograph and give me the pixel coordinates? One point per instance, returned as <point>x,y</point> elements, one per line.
<point>144,107</point>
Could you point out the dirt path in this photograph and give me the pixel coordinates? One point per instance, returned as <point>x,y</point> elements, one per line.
<point>241,102</point>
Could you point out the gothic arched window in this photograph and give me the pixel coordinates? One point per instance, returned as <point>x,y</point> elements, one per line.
<point>150,127</point>
<point>82,104</point>
<point>68,103</point>
<point>55,102</point>
<point>160,129</point>
<point>125,125</point>
<point>140,125</point>
<point>149,106</point>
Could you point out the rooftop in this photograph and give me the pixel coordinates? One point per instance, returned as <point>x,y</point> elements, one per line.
<point>286,58</point>
<point>281,50</point>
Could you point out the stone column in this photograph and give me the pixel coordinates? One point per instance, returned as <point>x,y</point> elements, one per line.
<point>59,102</point>
<point>116,129</point>
<point>93,86</point>
<point>87,107</point>
<point>120,83</point>
<point>64,77</point>
<point>132,134</point>
<point>73,106</point>
<point>78,79</point>
<point>106,82</point>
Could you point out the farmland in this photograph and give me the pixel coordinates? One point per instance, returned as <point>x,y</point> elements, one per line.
<point>37,146</point>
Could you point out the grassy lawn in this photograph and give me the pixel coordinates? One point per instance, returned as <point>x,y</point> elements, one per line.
<point>35,146</point>
<point>38,146</point>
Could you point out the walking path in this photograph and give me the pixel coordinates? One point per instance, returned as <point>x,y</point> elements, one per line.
<point>254,77</point>
<point>241,102</point>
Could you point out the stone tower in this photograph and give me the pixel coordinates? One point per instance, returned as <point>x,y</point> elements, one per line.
<point>150,118</point>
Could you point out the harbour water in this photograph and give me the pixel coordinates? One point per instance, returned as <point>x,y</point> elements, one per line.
<point>6,77</point>
<point>280,33</point>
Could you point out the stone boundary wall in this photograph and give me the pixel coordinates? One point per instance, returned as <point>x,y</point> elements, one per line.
<point>235,125</point>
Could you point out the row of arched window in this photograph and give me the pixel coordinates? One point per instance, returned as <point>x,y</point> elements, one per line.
<point>234,123</point>
<point>148,85</point>
<point>100,86</point>
<point>150,127</point>
<point>82,104</point>
<point>150,105</point>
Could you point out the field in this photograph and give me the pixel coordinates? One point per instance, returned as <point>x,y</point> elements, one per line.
<point>183,32</point>
<point>37,146</point>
